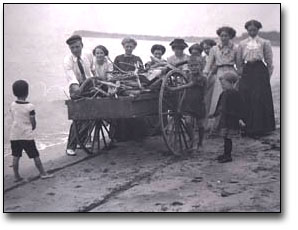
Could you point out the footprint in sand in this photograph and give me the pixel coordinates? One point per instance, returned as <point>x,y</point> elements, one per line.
<point>51,193</point>
<point>197,179</point>
<point>87,170</point>
<point>13,208</point>
<point>177,203</point>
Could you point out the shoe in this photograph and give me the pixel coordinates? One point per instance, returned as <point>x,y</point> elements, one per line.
<point>46,176</point>
<point>70,152</point>
<point>88,145</point>
<point>19,179</point>
<point>225,159</point>
<point>220,157</point>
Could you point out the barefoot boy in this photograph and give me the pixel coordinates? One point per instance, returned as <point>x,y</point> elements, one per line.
<point>23,125</point>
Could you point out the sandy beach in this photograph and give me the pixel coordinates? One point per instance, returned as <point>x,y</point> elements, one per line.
<point>144,177</point>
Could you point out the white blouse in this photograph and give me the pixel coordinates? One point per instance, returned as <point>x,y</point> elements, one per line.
<point>102,71</point>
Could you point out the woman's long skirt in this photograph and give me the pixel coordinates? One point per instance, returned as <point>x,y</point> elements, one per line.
<point>255,90</point>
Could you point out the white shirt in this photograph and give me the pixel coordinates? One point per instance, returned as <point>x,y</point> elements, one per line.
<point>71,68</point>
<point>21,128</point>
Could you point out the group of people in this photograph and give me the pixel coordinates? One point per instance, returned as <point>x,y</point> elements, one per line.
<point>229,85</point>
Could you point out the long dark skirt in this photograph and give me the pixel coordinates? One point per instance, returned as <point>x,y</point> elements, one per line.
<point>255,89</point>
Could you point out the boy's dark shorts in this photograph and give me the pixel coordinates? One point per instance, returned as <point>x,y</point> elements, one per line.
<point>29,146</point>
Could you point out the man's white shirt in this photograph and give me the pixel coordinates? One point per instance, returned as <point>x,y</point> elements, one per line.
<point>72,71</point>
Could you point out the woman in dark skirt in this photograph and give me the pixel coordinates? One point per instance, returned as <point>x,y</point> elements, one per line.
<point>254,62</point>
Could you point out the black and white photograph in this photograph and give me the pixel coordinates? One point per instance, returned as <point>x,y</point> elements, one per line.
<point>156,108</point>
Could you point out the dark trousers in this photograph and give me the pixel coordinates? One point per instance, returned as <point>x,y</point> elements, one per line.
<point>72,140</point>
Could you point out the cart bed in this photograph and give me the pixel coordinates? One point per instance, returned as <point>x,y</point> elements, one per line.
<point>113,108</point>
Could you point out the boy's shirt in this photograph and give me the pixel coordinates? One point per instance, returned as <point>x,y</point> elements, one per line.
<point>21,128</point>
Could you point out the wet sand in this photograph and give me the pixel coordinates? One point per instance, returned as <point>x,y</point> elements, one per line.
<point>144,177</point>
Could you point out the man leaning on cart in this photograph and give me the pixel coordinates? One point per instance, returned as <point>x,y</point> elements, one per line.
<point>77,67</point>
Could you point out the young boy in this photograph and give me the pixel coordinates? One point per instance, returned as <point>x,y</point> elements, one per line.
<point>228,114</point>
<point>194,101</point>
<point>21,134</point>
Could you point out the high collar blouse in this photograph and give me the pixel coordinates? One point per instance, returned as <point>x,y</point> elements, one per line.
<point>221,56</point>
<point>254,49</point>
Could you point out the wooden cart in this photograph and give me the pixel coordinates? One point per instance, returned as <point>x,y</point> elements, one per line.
<point>93,116</point>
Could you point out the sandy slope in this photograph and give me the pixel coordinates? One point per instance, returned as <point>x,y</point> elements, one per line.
<point>142,176</point>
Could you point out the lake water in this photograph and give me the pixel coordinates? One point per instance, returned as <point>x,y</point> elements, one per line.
<point>39,60</point>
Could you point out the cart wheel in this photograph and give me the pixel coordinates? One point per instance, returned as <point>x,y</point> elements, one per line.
<point>91,134</point>
<point>177,127</point>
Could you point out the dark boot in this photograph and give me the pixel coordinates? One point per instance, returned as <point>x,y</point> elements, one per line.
<point>226,157</point>
<point>201,136</point>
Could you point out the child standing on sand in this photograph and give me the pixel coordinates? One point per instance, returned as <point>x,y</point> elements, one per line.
<point>228,114</point>
<point>23,125</point>
<point>194,101</point>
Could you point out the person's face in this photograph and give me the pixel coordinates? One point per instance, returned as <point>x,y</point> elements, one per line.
<point>194,67</point>
<point>76,48</point>
<point>226,84</point>
<point>206,48</point>
<point>252,31</point>
<point>224,37</point>
<point>99,54</point>
<point>195,52</point>
<point>178,51</point>
<point>157,54</point>
<point>128,47</point>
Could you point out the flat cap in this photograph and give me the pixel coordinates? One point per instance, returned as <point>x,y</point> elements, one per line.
<point>73,38</point>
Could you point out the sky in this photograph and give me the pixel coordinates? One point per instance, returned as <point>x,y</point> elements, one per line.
<point>160,19</point>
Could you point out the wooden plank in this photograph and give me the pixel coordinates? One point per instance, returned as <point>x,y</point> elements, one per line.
<point>113,108</point>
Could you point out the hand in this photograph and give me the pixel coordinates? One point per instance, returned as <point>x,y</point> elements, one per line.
<point>205,74</point>
<point>210,116</point>
<point>172,89</point>
<point>242,124</point>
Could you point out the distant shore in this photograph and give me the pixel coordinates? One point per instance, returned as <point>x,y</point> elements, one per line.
<point>273,36</point>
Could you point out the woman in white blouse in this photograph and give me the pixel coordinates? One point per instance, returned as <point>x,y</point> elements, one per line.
<point>221,59</point>
<point>254,62</point>
<point>101,67</point>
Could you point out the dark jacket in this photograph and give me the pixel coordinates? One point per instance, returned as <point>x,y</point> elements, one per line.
<point>230,109</point>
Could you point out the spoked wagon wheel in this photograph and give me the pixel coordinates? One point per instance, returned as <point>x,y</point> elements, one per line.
<point>177,127</point>
<point>92,135</point>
